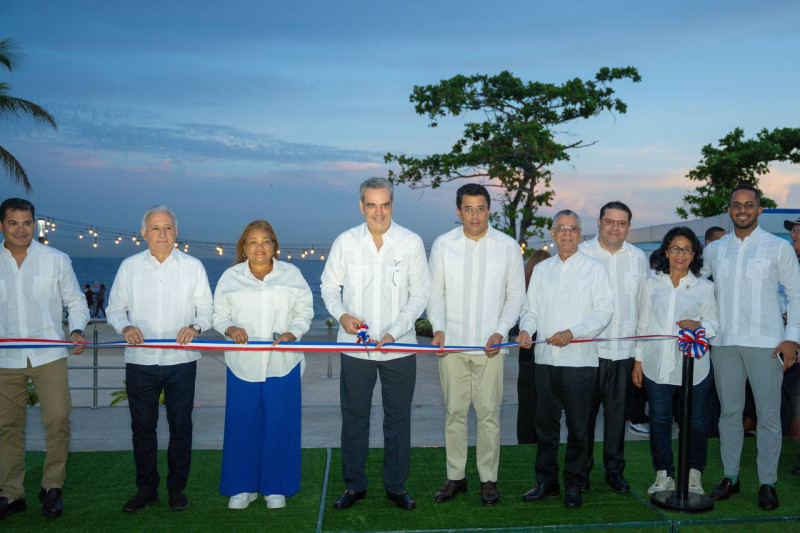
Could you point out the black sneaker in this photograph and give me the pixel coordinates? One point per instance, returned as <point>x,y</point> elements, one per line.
<point>144,498</point>
<point>52,505</point>
<point>178,500</point>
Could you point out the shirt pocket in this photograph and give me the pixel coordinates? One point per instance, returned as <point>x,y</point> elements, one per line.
<point>43,288</point>
<point>758,269</point>
<point>359,276</point>
<point>631,283</point>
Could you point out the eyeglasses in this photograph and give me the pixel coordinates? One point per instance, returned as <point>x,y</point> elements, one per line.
<point>621,224</point>
<point>676,250</point>
<point>481,209</point>
<point>561,228</point>
<point>736,206</point>
<point>796,229</point>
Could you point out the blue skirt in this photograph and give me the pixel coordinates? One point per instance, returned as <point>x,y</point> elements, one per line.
<point>261,450</point>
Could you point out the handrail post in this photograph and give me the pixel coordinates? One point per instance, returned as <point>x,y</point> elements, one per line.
<point>94,371</point>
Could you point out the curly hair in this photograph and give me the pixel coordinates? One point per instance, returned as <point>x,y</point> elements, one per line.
<point>662,264</point>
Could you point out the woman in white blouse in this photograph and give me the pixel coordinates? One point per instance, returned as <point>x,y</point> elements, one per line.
<point>261,298</point>
<point>675,298</point>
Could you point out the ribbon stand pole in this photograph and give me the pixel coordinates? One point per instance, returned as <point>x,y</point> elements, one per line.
<point>682,500</point>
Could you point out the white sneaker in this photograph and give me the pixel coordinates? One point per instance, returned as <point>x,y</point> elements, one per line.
<point>695,482</point>
<point>241,501</point>
<point>639,430</point>
<point>275,501</point>
<point>663,482</point>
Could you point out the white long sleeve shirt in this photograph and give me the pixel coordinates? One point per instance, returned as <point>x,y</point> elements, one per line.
<point>477,287</point>
<point>747,274</point>
<point>32,299</point>
<point>281,303</point>
<point>660,306</point>
<point>160,299</point>
<point>387,288</point>
<point>627,270</point>
<point>574,294</point>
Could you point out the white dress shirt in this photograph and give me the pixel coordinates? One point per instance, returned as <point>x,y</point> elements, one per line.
<point>660,306</point>
<point>747,274</point>
<point>387,288</point>
<point>627,270</point>
<point>160,299</point>
<point>574,294</point>
<point>281,303</point>
<point>477,287</point>
<point>32,301</point>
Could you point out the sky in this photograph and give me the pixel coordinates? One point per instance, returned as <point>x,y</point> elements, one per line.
<point>229,112</point>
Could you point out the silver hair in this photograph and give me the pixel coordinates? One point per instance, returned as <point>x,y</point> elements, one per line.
<point>159,209</point>
<point>376,183</point>
<point>566,213</point>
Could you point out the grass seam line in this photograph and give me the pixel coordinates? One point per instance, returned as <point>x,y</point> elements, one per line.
<point>669,520</point>
<point>677,523</point>
<point>324,495</point>
<point>521,529</point>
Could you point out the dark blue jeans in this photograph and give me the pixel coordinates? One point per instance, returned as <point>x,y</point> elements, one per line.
<point>144,384</point>
<point>660,399</point>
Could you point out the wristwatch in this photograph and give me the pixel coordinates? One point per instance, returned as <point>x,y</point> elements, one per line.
<point>78,331</point>
<point>197,328</point>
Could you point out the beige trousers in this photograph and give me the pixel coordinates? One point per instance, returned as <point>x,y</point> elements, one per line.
<point>477,380</point>
<point>52,386</point>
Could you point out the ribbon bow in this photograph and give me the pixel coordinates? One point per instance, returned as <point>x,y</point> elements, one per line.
<point>693,343</point>
<point>363,336</point>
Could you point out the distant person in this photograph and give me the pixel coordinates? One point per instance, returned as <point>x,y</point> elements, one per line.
<point>672,300</point>
<point>748,266</point>
<point>37,282</point>
<point>255,298</point>
<point>87,292</point>
<point>160,293</point>
<point>526,378</point>
<point>569,298</point>
<point>95,291</point>
<point>376,274</point>
<point>101,301</point>
<point>627,268</point>
<point>477,289</point>
<point>714,233</point>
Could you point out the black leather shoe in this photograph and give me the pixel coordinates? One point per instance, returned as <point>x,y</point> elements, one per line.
<point>618,483</point>
<point>348,498</point>
<point>144,498</point>
<point>53,506</point>
<point>8,507</point>
<point>489,494</point>
<point>541,491</point>
<point>725,488</point>
<point>449,490</point>
<point>401,499</point>
<point>573,498</point>
<point>796,470</point>
<point>767,498</point>
<point>586,486</point>
<point>178,500</point>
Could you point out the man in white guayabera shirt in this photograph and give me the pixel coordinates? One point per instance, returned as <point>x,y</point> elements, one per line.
<point>627,269</point>
<point>376,273</point>
<point>36,283</point>
<point>160,293</point>
<point>477,290</point>
<point>569,297</point>
<point>748,266</point>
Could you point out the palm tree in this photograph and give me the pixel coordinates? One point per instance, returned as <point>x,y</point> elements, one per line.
<point>17,107</point>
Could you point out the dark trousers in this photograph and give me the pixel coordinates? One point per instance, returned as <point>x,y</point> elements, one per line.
<point>569,388</point>
<point>637,404</point>
<point>661,414</point>
<point>144,384</point>
<point>357,381</point>
<point>610,390</point>
<point>526,394</point>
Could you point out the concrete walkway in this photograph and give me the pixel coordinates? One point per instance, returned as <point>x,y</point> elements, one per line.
<point>108,428</point>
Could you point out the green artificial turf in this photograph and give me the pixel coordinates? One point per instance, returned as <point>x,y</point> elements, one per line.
<point>98,483</point>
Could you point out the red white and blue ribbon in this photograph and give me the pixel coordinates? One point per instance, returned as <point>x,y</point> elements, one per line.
<point>266,346</point>
<point>362,336</point>
<point>693,343</point>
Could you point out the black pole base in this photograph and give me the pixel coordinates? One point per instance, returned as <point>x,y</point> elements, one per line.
<point>692,503</point>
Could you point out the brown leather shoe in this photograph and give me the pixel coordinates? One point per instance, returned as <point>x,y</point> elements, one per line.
<point>449,490</point>
<point>489,494</point>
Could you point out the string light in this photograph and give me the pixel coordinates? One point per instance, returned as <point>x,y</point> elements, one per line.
<point>94,244</point>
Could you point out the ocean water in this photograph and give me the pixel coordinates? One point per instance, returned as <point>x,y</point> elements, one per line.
<point>104,269</point>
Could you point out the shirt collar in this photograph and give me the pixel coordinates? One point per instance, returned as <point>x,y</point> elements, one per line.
<point>595,243</point>
<point>755,235</point>
<point>388,236</point>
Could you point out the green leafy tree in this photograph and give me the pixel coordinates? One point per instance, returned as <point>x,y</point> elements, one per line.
<point>520,137</point>
<point>737,160</point>
<point>11,107</point>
